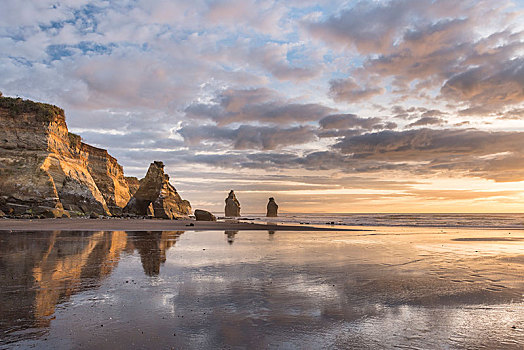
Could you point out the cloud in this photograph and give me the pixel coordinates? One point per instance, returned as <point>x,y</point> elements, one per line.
<point>368,26</point>
<point>273,57</point>
<point>347,121</point>
<point>256,105</point>
<point>248,137</point>
<point>427,121</point>
<point>464,152</point>
<point>490,87</point>
<point>347,90</point>
<point>460,194</point>
<point>420,144</point>
<point>471,48</point>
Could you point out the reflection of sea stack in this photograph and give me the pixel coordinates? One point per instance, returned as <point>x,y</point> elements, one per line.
<point>272,208</point>
<point>232,205</point>
<point>230,236</point>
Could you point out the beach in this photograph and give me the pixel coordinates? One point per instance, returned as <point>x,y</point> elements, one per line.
<point>410,287</point>
<point>118,224</point>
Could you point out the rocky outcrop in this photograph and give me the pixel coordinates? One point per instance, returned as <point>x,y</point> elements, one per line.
<point>272,208</point>
<point>156,194</point>
<point>48,170</point>
<point>232,208</point>
<point>133,183</point>
<point>204,215</point>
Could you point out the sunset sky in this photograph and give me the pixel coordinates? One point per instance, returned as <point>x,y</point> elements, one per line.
<point>328,106</point>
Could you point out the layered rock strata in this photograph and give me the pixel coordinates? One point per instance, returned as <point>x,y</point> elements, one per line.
<point>46,170</point>
<point>157,197</point>
<point>232,208</point>
<point>272,208</point>
<point>109,178</point>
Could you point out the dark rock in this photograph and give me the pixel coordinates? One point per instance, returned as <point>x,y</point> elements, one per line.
<point>48,212</point>
<point>16,209</point>
<point>272,208</point>
<point>204,215</point>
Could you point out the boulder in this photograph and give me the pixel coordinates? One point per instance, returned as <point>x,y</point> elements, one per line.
<point>232,208</point>
<point>156,196</point>
<point>272,208</point>
<point>204,215</point>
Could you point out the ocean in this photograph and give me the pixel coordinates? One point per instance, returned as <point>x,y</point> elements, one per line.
<point>481,220</point>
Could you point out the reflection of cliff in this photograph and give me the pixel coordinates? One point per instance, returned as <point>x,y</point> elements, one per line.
<point>39,270</point>
<point>152,247</point>
<point>71,265</point>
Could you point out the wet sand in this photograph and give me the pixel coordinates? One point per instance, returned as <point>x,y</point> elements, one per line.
<point>403,287</point>
<point>117,224</point>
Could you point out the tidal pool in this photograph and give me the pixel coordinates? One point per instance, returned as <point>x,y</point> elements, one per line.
<point>389,288</point>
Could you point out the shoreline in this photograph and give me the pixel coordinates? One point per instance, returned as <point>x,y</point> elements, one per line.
<point>85,224</point>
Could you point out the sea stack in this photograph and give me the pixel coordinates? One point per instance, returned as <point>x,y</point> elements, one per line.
<point>272,208</point>
<point>157,197</point>
<point>232,205</point>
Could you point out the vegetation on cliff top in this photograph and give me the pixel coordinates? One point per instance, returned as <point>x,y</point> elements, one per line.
<point>44,112</point>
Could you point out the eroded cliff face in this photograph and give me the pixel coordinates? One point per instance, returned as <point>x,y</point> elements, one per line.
<point>108,176</point>
<point>45,170</point>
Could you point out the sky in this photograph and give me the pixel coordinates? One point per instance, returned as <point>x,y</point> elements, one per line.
<point>328,106</point>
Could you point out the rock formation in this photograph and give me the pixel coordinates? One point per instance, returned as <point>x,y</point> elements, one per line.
<point>272,208</point>
<point>232,205</point>
<point>46,170</point>
<point>109,178</point>
<point>157,196</point>
<point>204,215</point>
<point>133,183</point>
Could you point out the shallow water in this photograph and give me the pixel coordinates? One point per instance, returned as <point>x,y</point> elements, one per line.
<point>450,220</point>
<point>403,287</point>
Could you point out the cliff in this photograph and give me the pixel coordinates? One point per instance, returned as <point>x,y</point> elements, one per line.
<point>46,170</point>
<point>108,176</point>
